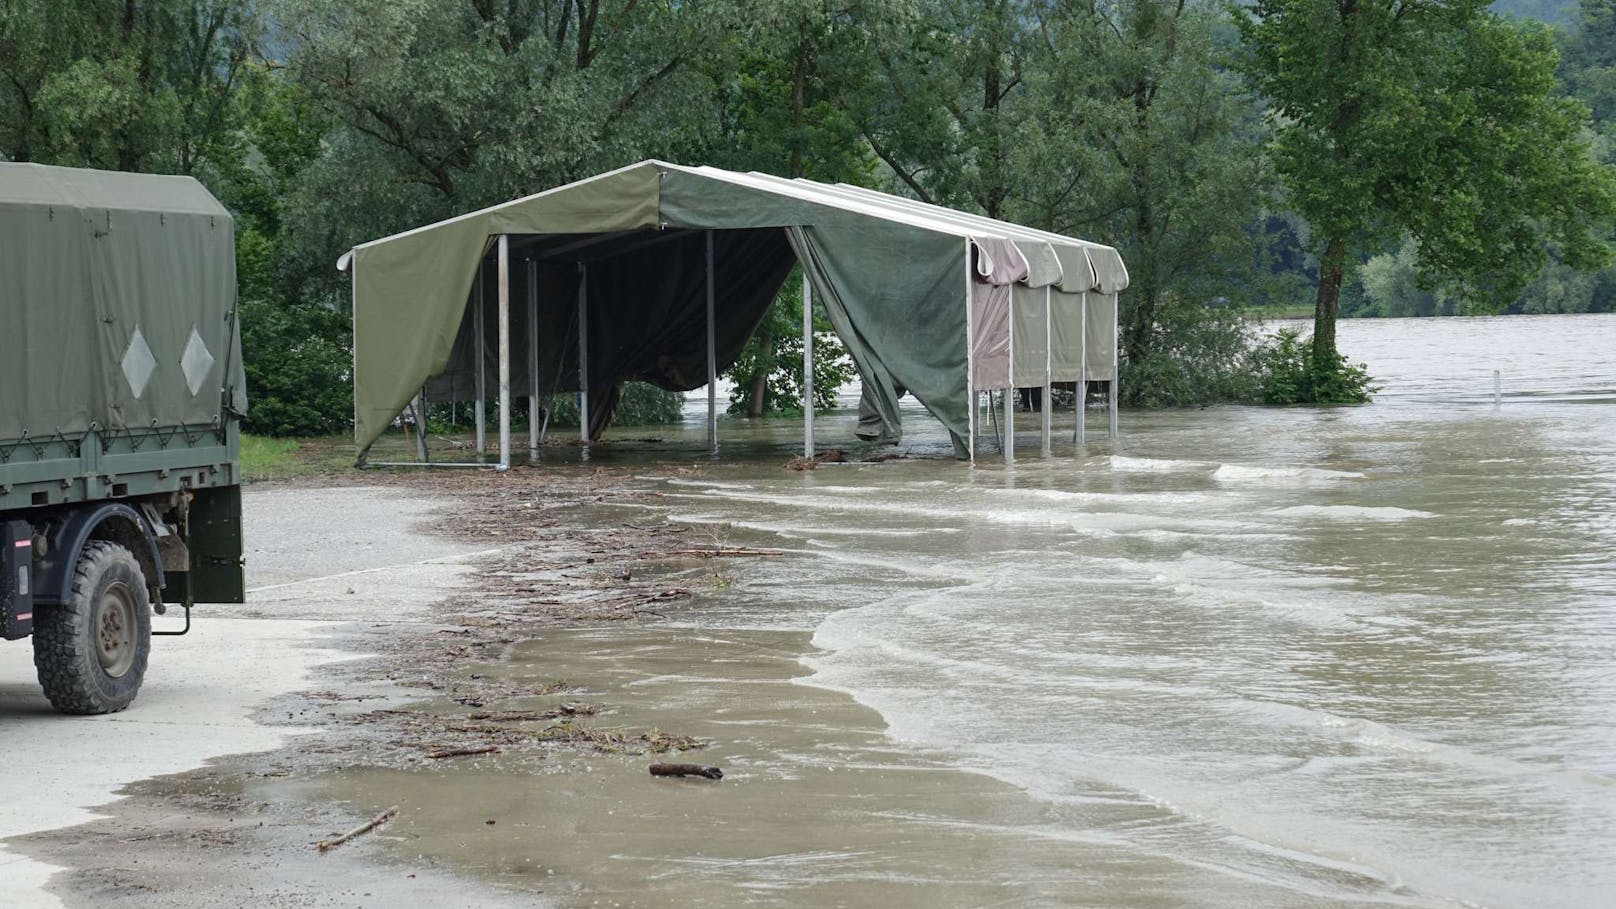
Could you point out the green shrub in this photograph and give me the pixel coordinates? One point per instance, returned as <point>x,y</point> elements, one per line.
<point>1197,356</point>
<point>299,364</point>
<point>1287,373</point>
<point>641,404</point>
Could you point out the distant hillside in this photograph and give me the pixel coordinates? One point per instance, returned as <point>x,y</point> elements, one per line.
<point>1554,12</point>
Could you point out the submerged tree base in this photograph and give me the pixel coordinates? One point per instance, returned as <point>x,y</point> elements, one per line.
<point>1289,371</point>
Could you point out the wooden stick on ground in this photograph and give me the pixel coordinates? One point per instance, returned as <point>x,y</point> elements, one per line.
<point>460,752</point>
<point>362,829</point>
<point>711,773</point>
<point>717,553</point>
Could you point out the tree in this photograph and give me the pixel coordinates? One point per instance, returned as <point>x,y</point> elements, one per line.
<point>476,101</point>
<point>135,85</point>
<point>1432,118</point>
<point>1134,134</point>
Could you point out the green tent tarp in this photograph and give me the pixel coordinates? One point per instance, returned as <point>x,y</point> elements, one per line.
<point>117,303</point>
<point>897,278</point>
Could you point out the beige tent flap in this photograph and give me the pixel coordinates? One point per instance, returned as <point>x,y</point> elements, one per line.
<point>1030,323</point>
<point>996,265</point>
<point>1101,336</point>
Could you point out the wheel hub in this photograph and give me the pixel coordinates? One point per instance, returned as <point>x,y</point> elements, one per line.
<point>115,630</point>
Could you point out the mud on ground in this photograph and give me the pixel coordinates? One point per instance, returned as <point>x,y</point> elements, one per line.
<point>207,838</point>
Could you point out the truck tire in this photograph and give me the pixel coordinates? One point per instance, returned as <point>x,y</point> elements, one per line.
<point>91,651</point>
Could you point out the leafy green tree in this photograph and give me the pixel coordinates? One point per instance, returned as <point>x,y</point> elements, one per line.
<point>1431,118</point>
<point>1133,133</point>
<point>135,85</point>
<point>475,101</point>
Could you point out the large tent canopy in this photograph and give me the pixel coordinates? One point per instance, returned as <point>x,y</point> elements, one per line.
<point>660,273</point>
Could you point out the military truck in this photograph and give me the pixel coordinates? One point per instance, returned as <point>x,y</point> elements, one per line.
<point>121,392</point>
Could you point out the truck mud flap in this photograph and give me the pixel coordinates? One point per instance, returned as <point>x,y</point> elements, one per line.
<point>216,574</point>
<point>16,579</point>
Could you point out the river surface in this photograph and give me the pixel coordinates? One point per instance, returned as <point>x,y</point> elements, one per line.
<point>1249,656</point>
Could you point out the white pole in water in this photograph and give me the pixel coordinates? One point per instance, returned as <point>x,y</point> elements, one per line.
<point>1010,377</point>
<point>532,360</point>
<point>583,354</point>
<point>807,365</point>
<point>1049,370</point>
<point>419,407</point>
<point>1498,389</point>
<point>504,352</point>
<point>970,361</point>
<point>482,353</point>
<point>712,354</point>
<point>1082,365</point>
<point>1116,363</point>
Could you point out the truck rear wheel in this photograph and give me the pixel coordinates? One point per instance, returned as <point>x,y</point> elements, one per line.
<point>91,651</point>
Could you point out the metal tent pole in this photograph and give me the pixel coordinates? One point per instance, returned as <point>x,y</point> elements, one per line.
<point>504,351</point>
<point>807,365</point>
<point>532,360</point>
<point>1082,365</point>
<point>482,399</point>
<point>712,355</point>
<point>1010,389</point>
<point>970,357</point>
<point>419,406</point>
<point>583,353</point>
<point>1116,364</point>
<point>1049,367</point>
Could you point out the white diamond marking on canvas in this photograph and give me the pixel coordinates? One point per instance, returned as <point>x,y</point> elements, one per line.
<point>196,362</point>
<point>138,363</point>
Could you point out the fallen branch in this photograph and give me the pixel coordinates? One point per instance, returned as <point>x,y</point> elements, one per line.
<point>461,752</point>
<point>361,830</point>
<point>711,773</point>
<point>737,551</point>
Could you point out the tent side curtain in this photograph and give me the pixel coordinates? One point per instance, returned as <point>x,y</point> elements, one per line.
<point>898,304</point>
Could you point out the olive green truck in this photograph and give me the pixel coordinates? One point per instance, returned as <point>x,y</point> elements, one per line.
<point>121,392</point>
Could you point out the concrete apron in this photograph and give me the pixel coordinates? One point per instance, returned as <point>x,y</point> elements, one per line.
<point>317,559</point>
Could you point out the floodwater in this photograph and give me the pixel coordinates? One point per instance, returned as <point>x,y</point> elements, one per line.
<point>1235,657</point>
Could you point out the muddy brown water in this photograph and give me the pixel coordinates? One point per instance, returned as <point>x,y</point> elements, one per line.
<point>1237,657</point>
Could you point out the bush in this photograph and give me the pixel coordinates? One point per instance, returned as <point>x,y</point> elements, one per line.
<point>1288,374</point>
<point>1197,356</point>
<point>641,404</point>
<point>299,364</point>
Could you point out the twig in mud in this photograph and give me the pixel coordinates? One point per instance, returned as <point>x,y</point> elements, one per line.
<point>711,773</point>
<point>713,553</point>
<point>361,830</point>
<point>462,752</point>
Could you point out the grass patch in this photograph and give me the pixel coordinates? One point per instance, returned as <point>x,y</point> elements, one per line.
<point>265,458</point>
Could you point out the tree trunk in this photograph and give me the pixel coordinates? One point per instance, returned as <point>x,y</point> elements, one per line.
<point>760,375</point>
<point>1329,301</point>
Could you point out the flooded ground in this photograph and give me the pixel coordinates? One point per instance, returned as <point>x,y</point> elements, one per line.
<point>1236,657</point>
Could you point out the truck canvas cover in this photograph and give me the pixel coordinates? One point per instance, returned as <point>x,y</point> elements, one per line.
<point>117,304</point>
